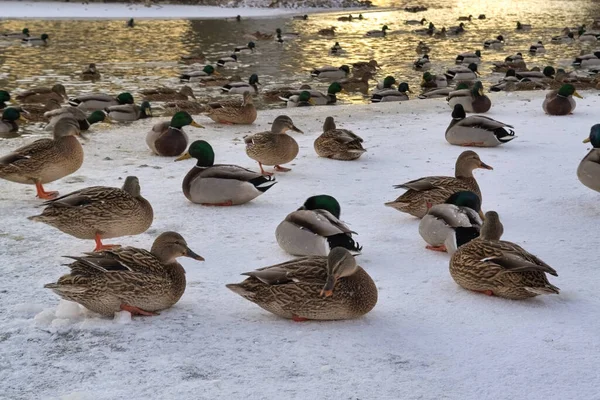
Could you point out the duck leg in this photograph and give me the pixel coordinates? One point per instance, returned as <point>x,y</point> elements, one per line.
<point>100,246</point>
<point>263,172</point>
<point>486,292</point>
<point>296,318</point>
<point>473,144</point>
<point>441,248</point>
<point>136,311</point>
<point>282,169</point>
<point>42,194</point>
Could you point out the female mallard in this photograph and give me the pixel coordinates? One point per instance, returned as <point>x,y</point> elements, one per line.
<point>240,114</point>
<point>445,224</point>
<point>274,147</point>
<point>494,44</point>
<point>338,144</point>
<point>43,94</point>
<point>327,31</point>
<point>422,64</point>
<point>129,112</point>
<point>497,267</point>
<point>100,101</point>
<point>302,99</point>
<point>100,212</point>
<point>128,279</point>
<point>8,122</point>
<point>196,57</point>
<point>378,33</point>
<point>422,48</point>
<point>561,102</point>
<point>461,73</point>
<point>167,138</point>
<point>357,84</point>
<point>213,184</point>
<point>329,72</point>
<point>314,287</point>
<point>588,171</point>
<point>45,160</point>
<point>168,94</point>
<point>204,73</point>
<point>4,96</point>
<point>192,107</point>
<point>91,73</point>
<point>362,67</point>
<point>84,121</point>
<point>241,87</point>
<point>36,41</point>
<point>315,228</point>
<point>433,81</point>
<point>249,48</point>
<point>477,130</point>
<point>469,58</point>
<point>35,112</point>
<point>426,192</point>
<point>473,100</point>
<point>382,96</point>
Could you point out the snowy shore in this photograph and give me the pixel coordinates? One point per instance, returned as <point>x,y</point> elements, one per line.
<point>426,339</point>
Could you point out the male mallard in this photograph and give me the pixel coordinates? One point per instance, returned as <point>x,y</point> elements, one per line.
<point>461,73</point>
<point>463,18</point>
<point>378,33</point>
<point>362,67</point>
<point>274,147</point>
<point>515,62</point>
<point>426,31</point>
<point>130,23</point>
<point>227,60</point>
<point>327,31</point>
<point>563,39</point>
<point>329,72</point>
<point>128,279</point>
<point>300,17</point>
<point>4,96</point>
<point>36,41</point>
<point>433,81</point>
<point>319,98</point>
<point>476,130</point>
<point>426,192</point>
<point>588,171</point>
<point>381,96</point>
<point>422,63</point>
<point>415,21</point>
<point>456,30</point>
<point>523,27</point>
<point>84,121</point>
<point>315,228</point>
<point>546,75</point>
<point>357,84</point>
<point>469,58</point>
<point>302,99</point>
<point>494,44</point>
<point>497,267</point>
<point>336,48</point>
<point>274,95</point>
<point>204,73</point>
<point>239,114</point>
<point>8,122</point>
<point>241,87</point>
<point>286,35</point>
<point>168,94</point>
<point>473,100</point>
<point>441,92</point>
<point>537,48</point>
<point>338,144</point>
<point>100,101</point>
<point>314,287</point>
<point>45,160</point>
<point>387,83</point>
<point>91,73</point>
<point>129,112</point>
<point>249,48</point>
<point>346,19</point>
<point>167,138</point>
<point>460,214</point>
<point>213,184</point>
<point>100,212</point>
<point>561,102</point>
<point>587,60</point>
<point>16,35</point>
<point>422,48</point>
<point>35,112</point>
<point>43,94</point>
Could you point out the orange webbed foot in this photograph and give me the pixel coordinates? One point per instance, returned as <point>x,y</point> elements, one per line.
<point>282,169</point>
<point>296,318</point>
<point>137,311</point>
<point>441,248</point>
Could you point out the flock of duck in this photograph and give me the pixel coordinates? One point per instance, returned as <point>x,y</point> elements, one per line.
<point>325,282</point>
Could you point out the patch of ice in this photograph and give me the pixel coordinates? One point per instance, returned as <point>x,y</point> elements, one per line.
<point>122,317</point>
<point>68,310</point>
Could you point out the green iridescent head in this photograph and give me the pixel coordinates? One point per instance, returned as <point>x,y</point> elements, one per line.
<point>465,199</point>
<point>594,137</point>
<point>388,81</point>
<point>253,80</point>
<point>4,96</point>
<point>96,116</point>
<point>334,88</point>
<point>11,114</point>
<point>323,202</point>
<point>181,119</point>
<point>202,151</point>
<point>125,98</point>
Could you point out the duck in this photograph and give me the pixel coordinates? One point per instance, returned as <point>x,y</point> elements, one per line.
<point>301,99</point>
<point>300,17</point>
<point>500,268</point>
<point>588,171</point>
<point>537,48</point>
<point>423,193</point>
<point>100,212</point>
<point>329,72</point>
<point>587,60</point>
<point>382,96</point>
<point>168,138</point>
<point>277,93</point>
<point>274,147</point>
<point>213,184</point>
<point>227,60</point>
<point>315,229</point>
<point>8,122</point>
<point>456,30</point>
<point>494,44</point>
<point>35,41</point>
<point>357,84</point>
<point>16,35</point>
<point>438,34</point>
<point>100,101</point>
<point>387,83</point>
<point>415,21</point>
<point>196,57</point>
<point>523,27</point>
<point>286,35</point>
<point>433,81</point>
<point>241,87</point>
<point>43,94</point>
<point>469,58</point>
<point>588,36</point>
<point>463,18</point>
<point>481,16</point>
<point>82,119</point>
<point>311,288</point>
<point>4,97</point>
<point>422,63</point>
<point>130,23</point>
<point>477,130</point>
<point>327,31</point>
<point>346,19</point>
<point>561,102</point>
<point>422,48</point>
<point>91,73</point>
<point>249,48</point>
<point>203,74</point>
<point>362,67</point>
<point>258,35</point>
<point>445,224</point>
<point>338,144</point>
<point>128,279</point>
<point>236,114</point>
<point>192,107</point>
<point>461,73</point>
<point>35,112</point>
<point>321,99</point>
<point>336,48</point>
<point>129,112</point>
<point>546,75</point>
<point>564,39</point>
<point>45,160</point>
<point>426,31</point>
<point>218,80</point>
<point>378,33</point>
<point>473,100</point>
<point>168,94</point>
<point>441,92</point>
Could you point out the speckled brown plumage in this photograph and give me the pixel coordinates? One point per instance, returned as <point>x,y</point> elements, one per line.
<point>244,114</point>
<point>43,94</point>
<point>168,94</point>
<point>338,144</point>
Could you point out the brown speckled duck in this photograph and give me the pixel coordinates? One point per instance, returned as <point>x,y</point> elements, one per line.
<point>232,114</point>
<point>168,94</point>
<point>43,94</point>
<point>338,144</point>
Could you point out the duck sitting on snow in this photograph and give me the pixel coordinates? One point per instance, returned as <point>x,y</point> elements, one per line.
<point>387,83</point>
<point>129,112</point>
<point>461,73</point>
<point>319,98</point>
<point>433,81</point>
<point>588,171</point>
<point>473,100</point>
<point>561,102</point>
<point>168,138</point>
<point>382,96</point>
<point>477,130</point>
<point>338,144</point>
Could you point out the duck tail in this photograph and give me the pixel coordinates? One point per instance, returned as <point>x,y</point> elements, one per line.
<point>226,88</point>
<point>74,102</point>
<point>184,78</point>
<point>503,135</point>
<point>239,288</point>
<point>345,241</point>
<point>263,183</point>
<point>548,289</point>
<point>314,73</point>
<point>220,63</point>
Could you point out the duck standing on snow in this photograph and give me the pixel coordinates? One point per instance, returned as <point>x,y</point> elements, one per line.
<point>561,102</point>
<point>473,100</point>
<point>477,130</point>
<point>338,144</point>
<point>378,33</point>
<point>469,58</point>
<point>213,184</point>
<point>129,112</point>
<point>243,113</point>
<point>588,171</point>
<point>382,96</point>
<point>100,101</point>
<point>537,48</point>
<point>329,72</point>
<point>168,138</point>
<point>461,73</point>
<point>241,87</point>
<point>494,44</point>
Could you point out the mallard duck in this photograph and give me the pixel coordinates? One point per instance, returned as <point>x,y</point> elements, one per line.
<point>196,57</point>
<point>128,279</point>
<point>546,75</point>
<point>91,73</point>
<point>588,171</point>
<point>433,81</point>
<point>456,30</point>
<point>469,58</point>
<point>515,62</point>
<point>382,96</point>
<point>239,114</point>
<point>129,112</point>
<point>415,9</point>
<point>497,267</point>
<point>561,102</point>
<point>336,48</point>
<point>588,37</point>
<point>43,94</point>
<point>426,192</point>
<point>249,48</point>
<point>286,35</point>
<point>423,48</point>
<point>357,84</point>
<point>4,97</point>
<point>168,138</point>
<point>302,99</point>
<point>537,48</point>
<point>219,80</point>
<point>84,121</point>
<point>461,73</point>
<point>523,27</point>
<point>329,72</point>
<point>130,23</point>
<point>346,19</point>
<point>426,31</point>
<point>321,99</point>
<point>327,31</point>
<point>387,83</point>
<point>45,160</point>
<point>241,87</point>
<point>35,41</point>
<point>564,39</point>
<point>422,63</point>
<point>315,228</point>
<point>415,21</point>
<point>463,18</point>
<point>258,35</point>
<point>461,212</point>
<point>35,112</point>
<point>274,147</point>
<point>8,122</point>
<point>338,144</point>
<point>213,184</point>
<point>100,101</point>
<point>193,107</point>
<point>441,92</point>
<point>481,16</point>
<point>477,130</point>
<point>16,35</point>
<point>300,17</point>
<point>378,33</point>
<point>276,94</point>
<point>362,67</point>
<point>494,44</point>
<point>168,94</point>
<point>204,73</point>
<point>311,288</point>
<point>227,60</point>
<point>587,60</point>
<point>100,212</point>
<point>438,35</point>
<point>473,100</point>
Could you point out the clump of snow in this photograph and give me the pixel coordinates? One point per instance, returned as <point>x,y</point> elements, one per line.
<point>68,310</point>
<point>122,317</point>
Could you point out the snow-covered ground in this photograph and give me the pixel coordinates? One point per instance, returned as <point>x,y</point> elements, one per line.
<point>426,339</point>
